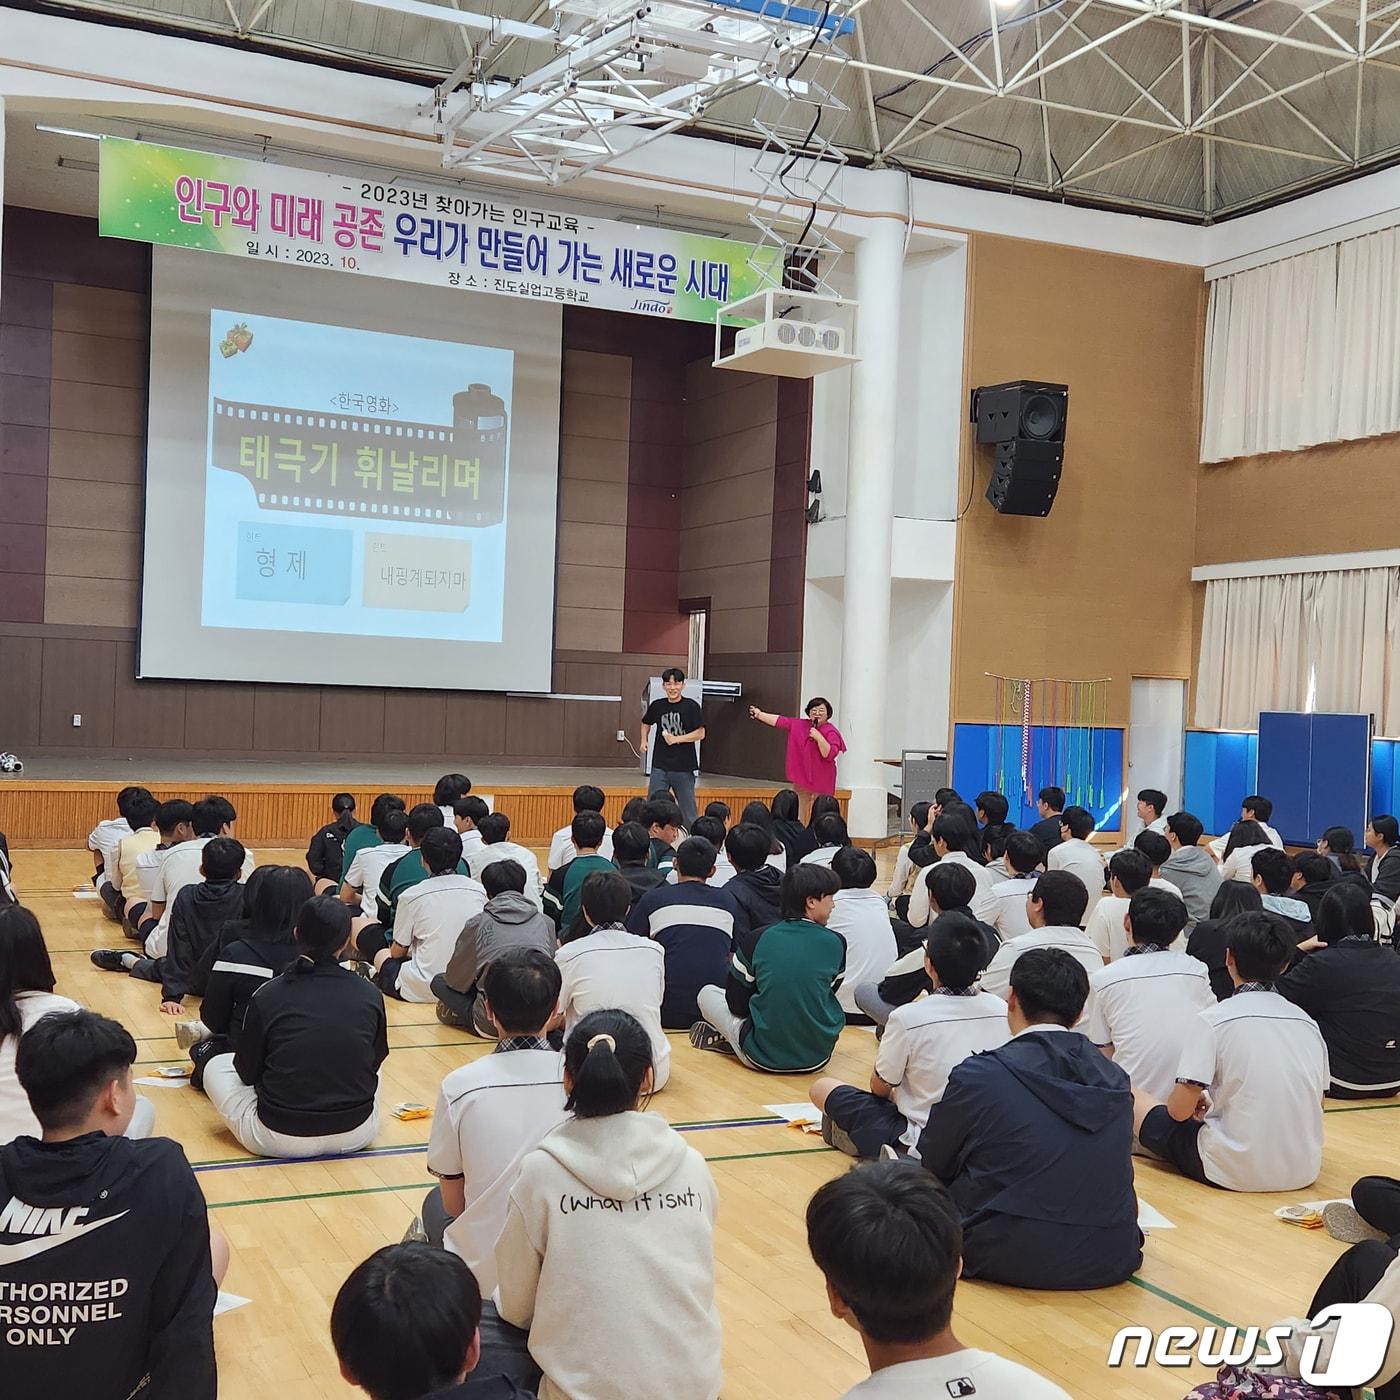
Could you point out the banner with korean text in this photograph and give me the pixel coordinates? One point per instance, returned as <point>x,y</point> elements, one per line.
<point>311,218</point>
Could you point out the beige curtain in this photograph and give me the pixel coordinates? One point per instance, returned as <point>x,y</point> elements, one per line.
<point>1316,641</point>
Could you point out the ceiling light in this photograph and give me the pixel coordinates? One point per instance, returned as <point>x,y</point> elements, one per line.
<point>69,131</point>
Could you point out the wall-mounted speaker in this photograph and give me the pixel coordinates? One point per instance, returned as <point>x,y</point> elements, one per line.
<point>1026,421</point>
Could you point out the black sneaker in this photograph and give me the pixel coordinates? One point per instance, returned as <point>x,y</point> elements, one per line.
<point>110,959</point>
<point>703,1036</point>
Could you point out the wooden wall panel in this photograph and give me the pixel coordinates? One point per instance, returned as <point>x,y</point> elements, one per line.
<point>218,717</point>
<point>79,677</point>
<point>148,714</point>
<point>1100,587</point>
<point>21,680</point>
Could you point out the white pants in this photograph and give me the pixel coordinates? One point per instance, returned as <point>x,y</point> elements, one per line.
<point>715,1009</point>
<point>143,1120</point>
<point>237,1105</point>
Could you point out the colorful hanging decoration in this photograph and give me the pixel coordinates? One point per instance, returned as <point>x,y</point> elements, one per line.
<point>1072,753</point>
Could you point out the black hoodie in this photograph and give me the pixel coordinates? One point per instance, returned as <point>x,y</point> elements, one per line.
<point>106,1288</point>
<point>756,892</point>
<point>196,923</point>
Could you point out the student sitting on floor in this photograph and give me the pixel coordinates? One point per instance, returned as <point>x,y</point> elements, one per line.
<point>889,1244</point>
<point>103,841</point>
<point>325,856</point>
<point>360,885</point>
<point>508,921</point>
<point>1243,840</point>
<point>497,845</point>
<point>1128,872</point>
<point>1260,1065</point>
<point>303,1080</point>
<point>1189,867</point>
<point>1055,908</point>
<point>1313,876</point>
<point>363,836</point>
<point>1351,987</point>
<point>431,916</point>
<point>197,917</point>
<point>1158,851</point>
<point>955,841</point>
<point>618,1301</point>
<point>587,831</point>
<point>720,811</point>
<point>1050,805</point>
<point>905,870</point>
<point>130,1211</point>
<point>26,993</point>
<point>448,791</point>
<point>1075,853</point>
<point>994,839</point>
<point>123,886</point>
<point>1152,810</point>
<point>921,1045</point>
<point>213,816</point>
<point>251,951</point>
<point>495,1109</point>
<point>631,846</point>
<point>406,1325</point>
<point>1034,1143</point>
<point>778,1009</point>
<point>991,808</point>
<point>467,815</point>
<point>1207,941</point>
<point>1006,903</point>
<point>714,831</point>
<point>662,819</point>
<point>950,887</point>
<point>610,967</point>
<point>830,834</point>
<point>1253,808</point>
<point>861,918</point>
<point>1372,1213</point>
<point>1273,878</point>
<point>1146,1004</point>
<point>562,846</point>
<point>794,836</point>
<point>756,889</point>
<point>399,875</point>
<point>694,924</point>
<point>174,823</point>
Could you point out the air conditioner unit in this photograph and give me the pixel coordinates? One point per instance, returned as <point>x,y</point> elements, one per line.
<point>789,333</point>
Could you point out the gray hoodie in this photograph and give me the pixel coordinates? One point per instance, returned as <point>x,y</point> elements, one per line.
<point>607,1257</point>
<point>510,920</point>
<point>1197,876</point>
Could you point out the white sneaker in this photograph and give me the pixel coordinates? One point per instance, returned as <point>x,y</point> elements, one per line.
<point>188,1033</point>
<point>1343,1222</point>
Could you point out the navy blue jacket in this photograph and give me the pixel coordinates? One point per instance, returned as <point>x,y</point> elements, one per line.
<point>1034,1141</point>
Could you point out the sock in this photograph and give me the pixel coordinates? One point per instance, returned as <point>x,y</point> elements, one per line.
<point>129,960</point>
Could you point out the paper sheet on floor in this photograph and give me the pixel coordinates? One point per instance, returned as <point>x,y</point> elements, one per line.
<point>796,1112</point>
<point>1150,1219</point>
<point>155,1082</point>
<point>88,893</point>
<point>228,1301</point>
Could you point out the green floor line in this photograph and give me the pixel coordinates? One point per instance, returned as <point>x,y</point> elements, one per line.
<point>785,1152</point>
<point>1363,1108</point>
<point>1180,1302</point>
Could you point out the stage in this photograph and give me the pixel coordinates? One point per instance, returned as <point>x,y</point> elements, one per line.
<point>58,801</point>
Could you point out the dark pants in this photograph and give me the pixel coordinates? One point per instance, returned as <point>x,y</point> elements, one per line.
<point>462,1009</point>
<point>505,1350</point>
<point>372,939</point>
<point>148,969</point>
<point>680,785</point>
<point>201,1054</point>
<point>870,1122</point>
<point>1351,1278</point>
<point>1377,1202</point>
<point>1047,1254</point>
<point>133,916</point>
<point>906,936</point>
<point>112,901</point>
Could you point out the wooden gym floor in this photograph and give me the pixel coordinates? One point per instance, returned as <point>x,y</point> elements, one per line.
<point>297,1228</point>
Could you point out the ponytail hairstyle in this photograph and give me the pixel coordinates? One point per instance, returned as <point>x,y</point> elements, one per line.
<point>323,929</point>
<point>606,1058</point>
<point>24,964</point>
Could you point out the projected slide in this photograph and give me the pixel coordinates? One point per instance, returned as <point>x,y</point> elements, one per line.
<point>349,481</point>
<point>358,481</point>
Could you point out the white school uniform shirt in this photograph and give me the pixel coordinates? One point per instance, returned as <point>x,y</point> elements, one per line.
<point>904,870</point>
<point>925,1041</point>
<point>1146,1006</point>
<point>104,838</point>
<point>611,969</point>
<point>862,918</point>
<point>367,869</point>
<point>1239,864</point>
<point>980,904</point>
<point>823,855</point>
<point>178,868</point>
<point>1006,910</point>
<point>486,855</point>
<point>996,977</point>
<point>16,1117</point>
<point>1264,1064</point>
<point>428,923</point>
<point>490,1113</point>
<point>1082,860</point>
<point>562,849</point>
<point>967,1372</point>
<point>1159,826</point>
<point>471,841</point>
<point>1105,928</point>
<point>1217,847</point>
<point>147,863</point>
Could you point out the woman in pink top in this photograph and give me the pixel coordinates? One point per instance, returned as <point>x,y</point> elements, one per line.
<point>812,746</point>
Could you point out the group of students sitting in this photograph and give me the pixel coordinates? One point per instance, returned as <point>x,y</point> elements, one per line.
<point>1004,1020</point>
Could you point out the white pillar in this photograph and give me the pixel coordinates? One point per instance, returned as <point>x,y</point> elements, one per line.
<point>879,265</point>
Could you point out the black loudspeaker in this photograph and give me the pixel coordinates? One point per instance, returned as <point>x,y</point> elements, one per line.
<point>1026,476</point>
<point>1026,422</point>
<point>1022,409</point>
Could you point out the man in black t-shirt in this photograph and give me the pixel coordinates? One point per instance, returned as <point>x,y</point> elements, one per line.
<point>680,728</point>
